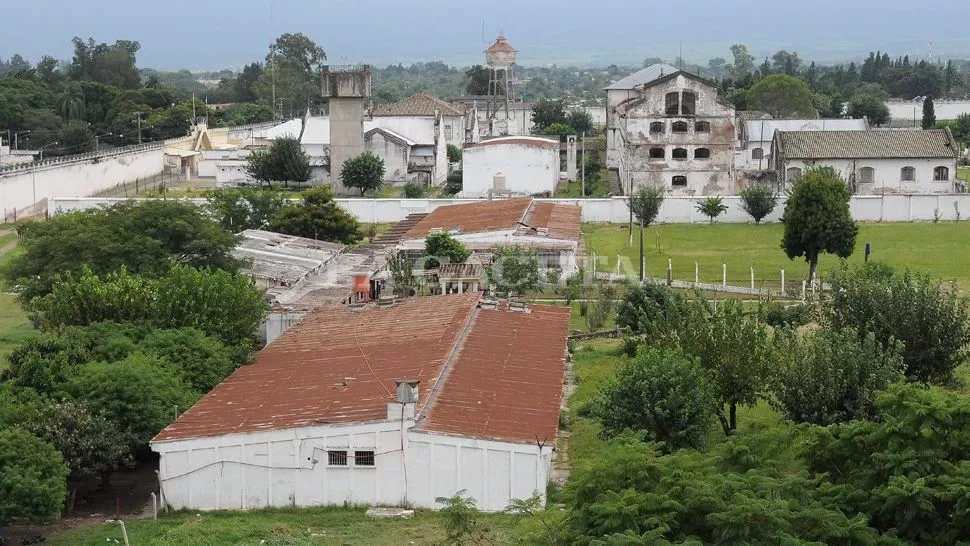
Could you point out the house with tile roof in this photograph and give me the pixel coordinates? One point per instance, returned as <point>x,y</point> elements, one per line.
<point>877,161</point>
<point>389,403</point>
<point>412,137</point>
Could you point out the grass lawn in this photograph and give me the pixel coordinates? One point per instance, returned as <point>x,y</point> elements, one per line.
<point>963,173</point>
<point>594,188</point>
<point>337,525</point>
<point>14,327</point>
<point>933,248</point>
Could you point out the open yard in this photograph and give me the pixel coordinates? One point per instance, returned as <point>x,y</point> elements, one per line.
<point>939,249</point>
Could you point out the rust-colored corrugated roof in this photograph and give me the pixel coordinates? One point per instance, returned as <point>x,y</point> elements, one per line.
<point>473,217</point>
<point>316,373</point>
<point>420,104</point>
<point>561,220</point>
<point>506,382</point>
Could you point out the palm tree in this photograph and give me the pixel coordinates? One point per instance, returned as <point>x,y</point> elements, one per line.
<point>70,103</point>
<point>153,82</point>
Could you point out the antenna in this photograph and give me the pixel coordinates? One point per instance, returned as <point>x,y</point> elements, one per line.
<point>483,30</point>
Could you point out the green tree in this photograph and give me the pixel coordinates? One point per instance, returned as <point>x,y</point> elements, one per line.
<point>110,64</point>
<point>219,303</point>
<point>140,393</point>
<point>581,121</point>
<point>239,209</point>
<point>662,392</point>
<point>460,518</point>
<point>443,248</point>
<point>650,310</point>
<point>929,113</point>
<point>712,207</point>
<point>402,274</point>
<point>515,269</point>
<point>930,319</point>
<point>817,218</point>
<point>317,216</point>
<point>32,479</point>
<point>831,376</point>
<point>365,172</point>
<point>868,105</point>
<point>478,78</point>
<point>546,112</point>
<point>645,204</point>
<point>291,75</point>
<point>142,236</point>
<point>243,83</point>
<point>75,138</point>
<point>90,444</point>
<point>285,162</point>
<point>70,103</point>
<point>758,200</point>
<point>453,185</point>
<point>743,64</point>
<point>781,96</point>
<point>558,130</point>
<point>961,128</point>
<point>202,361</point>
<point>907,472</point>
<point>454,154</point>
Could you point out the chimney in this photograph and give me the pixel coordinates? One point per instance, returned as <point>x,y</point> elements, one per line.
<point>405,400</point>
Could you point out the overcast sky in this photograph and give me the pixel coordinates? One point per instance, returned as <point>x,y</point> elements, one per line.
<point>213,34</point>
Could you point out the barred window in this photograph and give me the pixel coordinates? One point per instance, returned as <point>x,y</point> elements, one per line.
<point>363,458</point>
<point>337,458</point>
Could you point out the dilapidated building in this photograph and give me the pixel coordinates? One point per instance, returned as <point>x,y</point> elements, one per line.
<point>668,128</point>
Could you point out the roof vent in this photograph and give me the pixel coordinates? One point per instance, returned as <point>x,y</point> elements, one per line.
<point>517,305</point>
<point>488,303</point>
<point>499,182</point>
<point>384,303</point>
<point>455,231</point>
<point>435,230</point>
<point>544,231</point>
<point>407,391</point>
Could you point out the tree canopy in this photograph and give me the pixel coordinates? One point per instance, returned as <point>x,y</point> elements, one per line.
<point>443,248</point>
<point>364,172</point>
<point>782,96</point>
<point>32,478</point>
<point>817,218</point>
<point>515,269</point>
<point>317,216</point>
<point>285,162</point>
<point>758,200</point>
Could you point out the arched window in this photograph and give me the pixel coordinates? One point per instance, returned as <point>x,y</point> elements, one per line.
<point>672,103</point>
<point>702,153</point>
<point>757,153</point>
<point>679,127</point>
<point>793,172</point>
<point>702,127</point>
<point>687,103</point>
<point>907,174</point>
<point>867,175</point>
<point>941,174</point>
<point>657,153</point>
<point>679,180</point>
<point>657,127</point>
<point>679,153</point>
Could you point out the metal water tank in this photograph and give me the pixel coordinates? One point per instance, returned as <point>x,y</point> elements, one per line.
<point>500,55</point>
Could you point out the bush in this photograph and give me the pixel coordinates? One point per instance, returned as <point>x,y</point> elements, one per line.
<point>712,207</point>
<point>412,191</point>
<point>831,376</point>
<point>758,200</point>
<point>454,154</point>
<point>32,479</point>
<point>929,319</point>
<point>443,248</point>
<point>661,392</point>
<point>779,315</point>
<point>454,184</point>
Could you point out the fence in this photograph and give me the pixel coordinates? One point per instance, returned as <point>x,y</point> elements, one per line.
<point>675,210</point>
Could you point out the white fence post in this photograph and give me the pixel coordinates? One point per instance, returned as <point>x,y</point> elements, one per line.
<point>783,282</point>
<point>723,274</point>
<point>752,277</point>
<point>803,290</point>
<point>697,273</point>
<point>670,272</point>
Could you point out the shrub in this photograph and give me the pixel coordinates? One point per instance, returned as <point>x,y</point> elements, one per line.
<point>779,315</point>
<point>412,191</point>
<point>712,207</point>
<point>758,200</point>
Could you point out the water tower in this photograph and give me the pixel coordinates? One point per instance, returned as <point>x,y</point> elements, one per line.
<point>347,87</point>
<point>499,58</point>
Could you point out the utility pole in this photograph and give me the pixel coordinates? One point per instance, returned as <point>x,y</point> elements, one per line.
<point>582,166</point>
<point>138,116</point>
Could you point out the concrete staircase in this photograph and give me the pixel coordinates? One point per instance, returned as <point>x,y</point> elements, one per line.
<point>398,230</point>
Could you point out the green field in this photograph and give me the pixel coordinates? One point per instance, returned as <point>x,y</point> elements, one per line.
<point>339,525</point>
<point>939,249</point>
<point>963,173</point>
<point>14,327</point>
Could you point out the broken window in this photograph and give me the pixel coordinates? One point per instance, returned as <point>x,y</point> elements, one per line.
<point>363,458</point>
<point>702,153</point>
<point>688,103</point>
<point>657,153</point>
<point>657,127</point>
<point>867,175</point>
<point>679,153</point>
<point>941,174</point>
<point>672,103</point>
<point>702,127</point>
<point>679,180</point>
<point>337,458</point>
<point>793,172</point>
<point>679,127</point>
<point>907,174</point>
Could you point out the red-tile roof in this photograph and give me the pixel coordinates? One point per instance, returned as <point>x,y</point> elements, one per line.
<point>507,380</point>
<point>316,372</point>
<point>475,217</point>
<point>420,104</point>
<point>502,381</point>
<point>501,45</point>
<point>561,220</point>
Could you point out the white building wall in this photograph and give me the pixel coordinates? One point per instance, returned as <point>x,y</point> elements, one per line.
<point>901,111</point>
<point>289,467</point>
<point>887,174</point>
<point>527,169</point>
<point>453,129</point>
<point>394,154</point>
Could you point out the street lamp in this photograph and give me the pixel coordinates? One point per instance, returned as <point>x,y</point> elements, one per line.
<point>45,146</point>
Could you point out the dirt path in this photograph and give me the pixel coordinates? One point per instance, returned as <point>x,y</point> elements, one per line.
<point>7,247</point>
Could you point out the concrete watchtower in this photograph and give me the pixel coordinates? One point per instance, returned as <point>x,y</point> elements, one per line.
<point>348,88</point>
